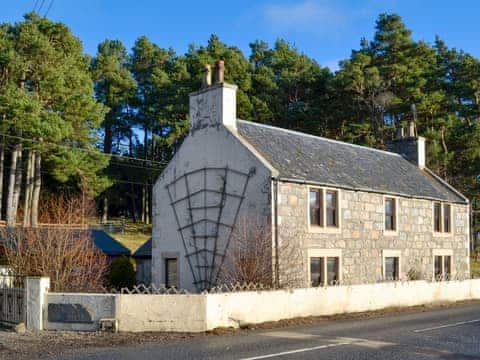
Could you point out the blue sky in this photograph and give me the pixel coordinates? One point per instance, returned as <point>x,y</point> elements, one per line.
<point>326,30</point>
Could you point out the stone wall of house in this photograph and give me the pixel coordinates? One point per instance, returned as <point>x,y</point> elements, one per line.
<point>361,237</point>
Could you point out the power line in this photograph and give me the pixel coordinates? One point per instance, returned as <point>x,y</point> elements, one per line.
<point>67,147</point>
<point>35,6</point>
<point>49,7</point>
<point>41,6</point>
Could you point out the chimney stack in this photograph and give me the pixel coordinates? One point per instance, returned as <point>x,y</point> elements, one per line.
<point>214,105</point>
<point>219,72</point>
<point>410,147</point>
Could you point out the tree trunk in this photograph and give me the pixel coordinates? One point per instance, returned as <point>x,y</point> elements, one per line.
<point>105,210</point>
<point>2,160</point>
<point>17,189</point>
<point>134,204</point>
<point>37,184</point>
<point>147,205</point>
<point>143,204</point>
<point>107,141</point>
<point>27,200</point>
<point>11,186</point>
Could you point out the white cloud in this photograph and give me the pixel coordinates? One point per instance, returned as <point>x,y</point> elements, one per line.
<point>308,16</point>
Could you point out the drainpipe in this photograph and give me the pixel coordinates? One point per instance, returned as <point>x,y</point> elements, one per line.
<point>275,234</point>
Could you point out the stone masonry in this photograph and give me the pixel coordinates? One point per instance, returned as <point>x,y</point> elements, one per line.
<point>361,236</point>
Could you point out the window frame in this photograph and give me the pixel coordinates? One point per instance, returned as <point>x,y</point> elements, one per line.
<point>392,254</point>
<point>319,207</point>
<point>440,230</point>
<point>324,254</point>
<point>170,255</point>
<point>324,228</point>
<point>443,253</point>
<point>335,209</point>
<point>395,215</point>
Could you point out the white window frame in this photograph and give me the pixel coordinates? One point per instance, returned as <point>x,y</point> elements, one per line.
<point>324,228</point>
<point>442,225</point>
<point>442,253</point>
<point>396,199</point>
<point>325,253</point>
<point>392,253</point>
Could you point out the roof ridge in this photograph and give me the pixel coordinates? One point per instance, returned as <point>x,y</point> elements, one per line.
<point>318,137</point>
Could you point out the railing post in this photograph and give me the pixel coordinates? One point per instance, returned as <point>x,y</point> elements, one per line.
<point>36,289</point>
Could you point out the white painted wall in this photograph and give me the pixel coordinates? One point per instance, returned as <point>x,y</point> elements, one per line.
<point>211,143</point>
<point>258,307</point>
<point>179,313</point>
<point>99,306</point>
<point>203,312</point>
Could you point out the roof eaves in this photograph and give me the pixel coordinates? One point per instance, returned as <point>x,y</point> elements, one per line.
<point>447,185</point>
<point>375,191</point>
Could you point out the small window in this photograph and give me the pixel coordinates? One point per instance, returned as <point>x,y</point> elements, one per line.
<point>171,272</point>
<point>332,208</point>
<point>442,267</point>
<point>316,216</point>
<point>390,216</point>
<point>392,270</point>
<point>437,217</point>
<point>446,218</point>
<point>319,266</point>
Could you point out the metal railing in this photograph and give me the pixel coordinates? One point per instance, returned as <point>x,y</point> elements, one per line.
<point>12,299</point>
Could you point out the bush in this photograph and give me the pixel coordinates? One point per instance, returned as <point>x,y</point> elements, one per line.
<point>122,273</point>
<point>413,274</point>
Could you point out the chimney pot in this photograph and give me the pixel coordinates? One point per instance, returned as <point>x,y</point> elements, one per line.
<point>206,76</point>
<point>220,71</point>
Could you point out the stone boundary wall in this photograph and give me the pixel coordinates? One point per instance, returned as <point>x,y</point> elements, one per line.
<point>203,312</point>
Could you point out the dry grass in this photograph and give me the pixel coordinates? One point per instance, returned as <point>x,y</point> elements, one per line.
<point>475,268</point>
<point>135,235</point>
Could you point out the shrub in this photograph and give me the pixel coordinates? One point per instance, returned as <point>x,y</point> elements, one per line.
<point>413,274</point>
<point>122,273</point>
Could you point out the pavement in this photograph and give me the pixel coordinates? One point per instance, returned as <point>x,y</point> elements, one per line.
<point>438,333</point>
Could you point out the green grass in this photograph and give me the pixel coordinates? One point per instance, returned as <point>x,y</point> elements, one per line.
<point>475,268</point>
<point>135,235</point>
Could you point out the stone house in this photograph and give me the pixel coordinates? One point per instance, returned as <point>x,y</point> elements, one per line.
<point>352,214</point>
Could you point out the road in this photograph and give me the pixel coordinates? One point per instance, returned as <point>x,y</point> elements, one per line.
<point>442,333</point>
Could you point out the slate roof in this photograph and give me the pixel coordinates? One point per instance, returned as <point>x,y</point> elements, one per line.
<point>144,251</point>
<point>302,157</point>
<point>108,245</point>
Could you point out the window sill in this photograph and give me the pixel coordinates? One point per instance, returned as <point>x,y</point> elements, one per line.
<point>442,234</point>
<point>390,232</point>
<point>324,230</point>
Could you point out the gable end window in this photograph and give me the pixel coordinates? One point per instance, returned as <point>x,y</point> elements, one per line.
<point>442,218</point>
<point>324,208</point>
<point>171,272</point>
<point>390,214</point>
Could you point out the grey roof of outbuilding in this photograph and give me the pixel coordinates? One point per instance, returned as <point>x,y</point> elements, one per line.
<point>145,250</point>
<point>311,159</point>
